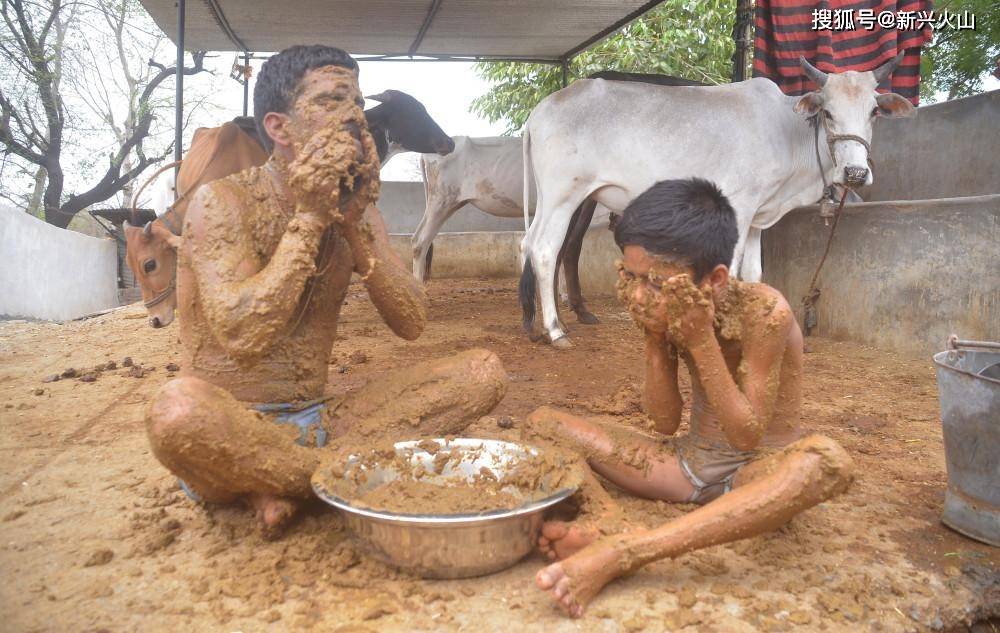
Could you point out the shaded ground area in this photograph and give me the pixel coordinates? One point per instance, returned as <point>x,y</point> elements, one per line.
<point>97,536</point>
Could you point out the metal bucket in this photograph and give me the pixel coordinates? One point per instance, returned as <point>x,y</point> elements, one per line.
<point>968,377</point>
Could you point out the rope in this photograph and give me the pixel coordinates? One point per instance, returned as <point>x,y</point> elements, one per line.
<point>812,295</point>
<point>162,295</point>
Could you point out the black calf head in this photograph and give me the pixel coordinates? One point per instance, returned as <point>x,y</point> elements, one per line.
<point>402,120</point>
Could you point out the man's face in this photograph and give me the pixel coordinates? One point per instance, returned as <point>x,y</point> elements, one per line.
<point>326,97</point>
<point>639,278</point>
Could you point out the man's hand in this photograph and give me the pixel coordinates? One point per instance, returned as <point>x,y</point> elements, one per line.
<point>361,187</point>
<point>316,174</point>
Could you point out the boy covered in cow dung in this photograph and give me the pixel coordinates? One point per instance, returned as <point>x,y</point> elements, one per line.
<point>743,459</point>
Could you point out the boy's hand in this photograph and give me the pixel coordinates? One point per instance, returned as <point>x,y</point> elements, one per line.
<point>690,311</point>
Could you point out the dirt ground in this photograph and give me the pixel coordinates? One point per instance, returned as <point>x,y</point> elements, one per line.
<point>96,535</point>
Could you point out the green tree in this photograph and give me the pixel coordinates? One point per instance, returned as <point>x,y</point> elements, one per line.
<point>685,38</point>
<point>957,61</point>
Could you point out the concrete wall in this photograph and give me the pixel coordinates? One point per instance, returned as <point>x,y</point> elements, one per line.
<point>497,255</point>
<point>949,150</point>
<point>51,273</point>
<point>402,206</point>
<point>900,275</point>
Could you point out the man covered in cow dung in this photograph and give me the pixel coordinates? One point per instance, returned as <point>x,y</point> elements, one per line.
<point>263,270</point>
<point>743,458</point>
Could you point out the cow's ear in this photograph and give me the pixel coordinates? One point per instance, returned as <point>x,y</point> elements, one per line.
<point>174,241</point>
<point>810,103</point>
<point>893,105</point>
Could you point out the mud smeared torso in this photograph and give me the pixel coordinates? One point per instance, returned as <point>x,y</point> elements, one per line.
<point>745,307</point>
<point>295,366</point>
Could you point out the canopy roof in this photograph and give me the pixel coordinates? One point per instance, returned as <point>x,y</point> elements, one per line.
<point>540,30</point>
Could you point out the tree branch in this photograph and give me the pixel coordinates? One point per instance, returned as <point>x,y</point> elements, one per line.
<point>113,180</point>
<point>7,136</point>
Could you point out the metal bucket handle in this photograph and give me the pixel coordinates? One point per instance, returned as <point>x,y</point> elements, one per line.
<point>957,346</point>
<point>956,343</point>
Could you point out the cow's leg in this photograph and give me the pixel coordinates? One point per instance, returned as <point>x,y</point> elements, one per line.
<point>562,294</point>
<point>547,234</point>
<point>435,215</point>
<point>750,267</point>
<point>743,220</point>
<point>571,260</point>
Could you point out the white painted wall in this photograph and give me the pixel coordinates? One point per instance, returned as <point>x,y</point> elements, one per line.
<point>51,273</point>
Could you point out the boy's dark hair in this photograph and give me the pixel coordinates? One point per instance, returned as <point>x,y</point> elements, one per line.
<point>280,76</point>
<point>686,219</point>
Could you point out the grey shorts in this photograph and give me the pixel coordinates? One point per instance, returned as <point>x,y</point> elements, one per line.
<point>710,467</point>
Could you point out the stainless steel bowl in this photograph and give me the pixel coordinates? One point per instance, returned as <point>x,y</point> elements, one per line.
<point>444,546</point>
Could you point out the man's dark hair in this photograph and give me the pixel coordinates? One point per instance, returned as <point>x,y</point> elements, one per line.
<point>684,219</point>
<point>280,76</point>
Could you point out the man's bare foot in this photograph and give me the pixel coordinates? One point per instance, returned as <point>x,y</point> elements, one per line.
<point>273,513</point>
<point>574,582</point>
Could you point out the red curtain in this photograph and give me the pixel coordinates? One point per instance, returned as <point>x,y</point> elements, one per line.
<point>785,30</point>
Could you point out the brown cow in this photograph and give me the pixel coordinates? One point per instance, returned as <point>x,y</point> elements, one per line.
<point>151,251</point>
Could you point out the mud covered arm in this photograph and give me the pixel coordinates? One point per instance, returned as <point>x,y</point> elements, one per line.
<point>247,307</point>
<point>399,298</point>
<point>744,414</point>
<point>661,398</point>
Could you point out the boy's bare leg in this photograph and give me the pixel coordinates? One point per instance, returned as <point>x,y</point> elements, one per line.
<point>224,451</point>
<point>804,474</point>
<point>430,399</point>
<point>635,463</point>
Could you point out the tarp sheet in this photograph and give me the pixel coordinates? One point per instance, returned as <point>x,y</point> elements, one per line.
<point>514,29</point>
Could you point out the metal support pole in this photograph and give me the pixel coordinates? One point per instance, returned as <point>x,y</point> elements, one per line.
<point>565,73</point>
<point>179,91</point>
<point>742,35</point>
<point>246,82</point>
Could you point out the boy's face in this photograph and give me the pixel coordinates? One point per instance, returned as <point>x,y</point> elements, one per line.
<point>657,290</point>
<point>639,279</point>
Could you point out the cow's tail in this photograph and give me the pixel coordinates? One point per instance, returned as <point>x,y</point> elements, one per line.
<point>526,294</point>
<point>429,257</point>
<point>528,175</point>
<point>526,287</point>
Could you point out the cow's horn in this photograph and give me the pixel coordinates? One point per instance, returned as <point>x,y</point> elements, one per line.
<point>883,71</point>
<point>148,229</point>
<point>817,75</point>
<point>382,97</point>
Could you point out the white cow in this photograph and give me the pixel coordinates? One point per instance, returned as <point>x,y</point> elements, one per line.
<point>610,141</point>
<point>163,193</point>
<point>487,172</point>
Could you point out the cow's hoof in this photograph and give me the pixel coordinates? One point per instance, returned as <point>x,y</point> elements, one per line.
<point>587,318</point>
<point>562,342</point>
